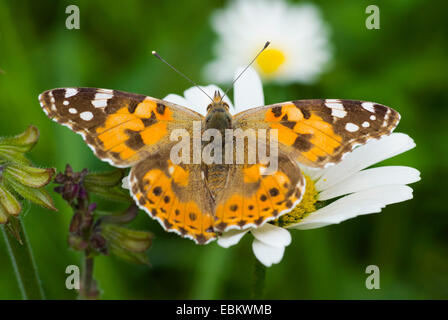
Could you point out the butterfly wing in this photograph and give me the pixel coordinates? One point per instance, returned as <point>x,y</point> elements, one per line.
<point>127,129</point>
<point>319,132</point>
<point>250,198</point>
<point>175,195</point>
<point>121,128</point>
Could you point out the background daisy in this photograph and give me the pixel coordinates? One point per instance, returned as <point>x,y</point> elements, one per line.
<point>299,49</point>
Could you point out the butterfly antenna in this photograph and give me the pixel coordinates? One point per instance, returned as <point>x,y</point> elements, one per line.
<point>241,73</point>
<point>155,54</point>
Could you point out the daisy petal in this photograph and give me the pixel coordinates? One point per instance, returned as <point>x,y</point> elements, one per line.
<point>364,156</point>
<point>125,183</point>
<point>266,254</point>
<point>174,98</point>
<point>199,100</point>
<point>231,238</point>
<point>248,90</point>
<point>360,203</point>
<point>313,173</point>
<point>366,179</point>
<point>272,235</point>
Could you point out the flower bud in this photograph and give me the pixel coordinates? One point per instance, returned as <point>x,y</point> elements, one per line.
<point>130,245</point>
<point>29,176</point>
<point>8,202</point>
<point>37,196</point>
<point>99,243</point>
<point>23,142</point>
<point>109,178</point>
<point>77,243</point>
<point>19,177</point>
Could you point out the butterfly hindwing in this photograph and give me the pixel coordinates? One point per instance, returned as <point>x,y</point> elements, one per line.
<point>175,195</point>
<point>320,132</point>
<point>121,128</point>
<point>251,198</point>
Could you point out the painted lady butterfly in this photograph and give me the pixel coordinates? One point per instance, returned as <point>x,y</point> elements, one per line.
<point>199,201</point>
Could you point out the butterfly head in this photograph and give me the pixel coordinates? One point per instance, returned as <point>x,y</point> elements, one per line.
<point>218,116</point>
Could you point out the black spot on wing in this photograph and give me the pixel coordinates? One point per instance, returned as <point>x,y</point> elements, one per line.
<point>149,121</point>
<point>305,112</point>
<point>160,108</point>
<point>135,141</point>
<point>277,111</point>
<point>287,123</point>
<point>302,142</point>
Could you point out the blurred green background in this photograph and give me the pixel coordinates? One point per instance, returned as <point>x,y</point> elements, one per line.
<point>403,65</point>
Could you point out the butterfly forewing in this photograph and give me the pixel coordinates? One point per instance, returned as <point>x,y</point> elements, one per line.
<point>121,128</point>
<point>319,132</point>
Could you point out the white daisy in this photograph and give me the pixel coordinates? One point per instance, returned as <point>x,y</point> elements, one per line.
<point>299,49</point>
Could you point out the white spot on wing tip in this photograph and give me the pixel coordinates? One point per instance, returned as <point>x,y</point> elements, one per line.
<point>351,127</point>
<point>70,92</point>
<point>99,103</point>
<point>338,113</point>
<point>368,106</point>
<point>337,108</point>
<point>103,96</point>
<point>86,115</point>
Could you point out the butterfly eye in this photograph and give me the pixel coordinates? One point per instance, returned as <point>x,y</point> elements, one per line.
<point>209,106</point>
<point>226,105</point>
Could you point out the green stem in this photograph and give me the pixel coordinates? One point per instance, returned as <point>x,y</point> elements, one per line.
<point>259,280</point>
<point>23,262</point>
<point>88,285</point>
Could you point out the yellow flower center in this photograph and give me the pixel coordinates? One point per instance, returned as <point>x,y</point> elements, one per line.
<point>270,60</point>
<point>305,207</point>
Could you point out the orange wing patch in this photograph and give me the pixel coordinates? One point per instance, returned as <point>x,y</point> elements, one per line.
<point>175,196</point>
<point>129,129</point>
<point>252,199</point>
<point>312,136</point>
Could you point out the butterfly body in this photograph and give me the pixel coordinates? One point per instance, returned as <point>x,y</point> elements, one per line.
<point>217,118</point>
<point>201,199</point>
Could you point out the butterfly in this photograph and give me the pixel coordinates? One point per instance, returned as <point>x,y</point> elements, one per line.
<point>202,200</point>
